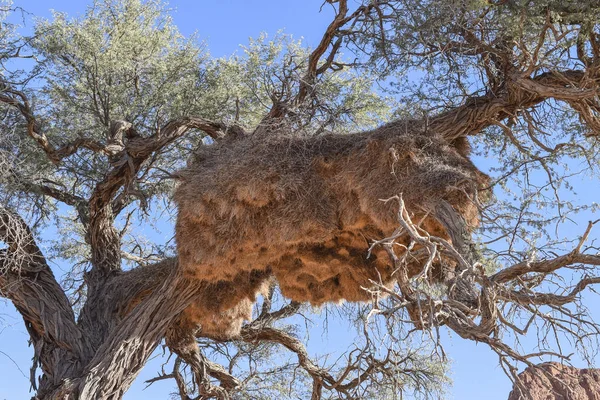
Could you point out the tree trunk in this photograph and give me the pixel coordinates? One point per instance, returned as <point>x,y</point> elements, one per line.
<point>125,351</point>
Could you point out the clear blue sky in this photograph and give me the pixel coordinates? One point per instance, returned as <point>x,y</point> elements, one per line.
<point>225,24</point>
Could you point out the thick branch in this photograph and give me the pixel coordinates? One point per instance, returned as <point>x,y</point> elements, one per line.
<point>123,354</point>
<point>522,92</point>
<point>332,31</point>
<point>26,280</point>
<point>543,266</point>
<point>104,238</point>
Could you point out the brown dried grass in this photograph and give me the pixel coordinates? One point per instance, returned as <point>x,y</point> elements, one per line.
<point>306,209</point>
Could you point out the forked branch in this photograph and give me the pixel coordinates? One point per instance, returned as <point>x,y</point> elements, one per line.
<point>501,297</point>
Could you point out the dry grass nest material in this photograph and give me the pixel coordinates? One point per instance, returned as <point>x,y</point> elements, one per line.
<point>306,209</point>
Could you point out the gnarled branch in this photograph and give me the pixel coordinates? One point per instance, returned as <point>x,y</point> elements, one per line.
<point>26,280</point>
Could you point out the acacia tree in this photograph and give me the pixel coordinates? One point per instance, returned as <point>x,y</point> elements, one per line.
<point>94,131</point>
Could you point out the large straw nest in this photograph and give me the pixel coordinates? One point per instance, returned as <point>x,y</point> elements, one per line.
<point>307,208</point>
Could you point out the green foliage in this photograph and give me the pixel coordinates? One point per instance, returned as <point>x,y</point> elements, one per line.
<point>125,60</point>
